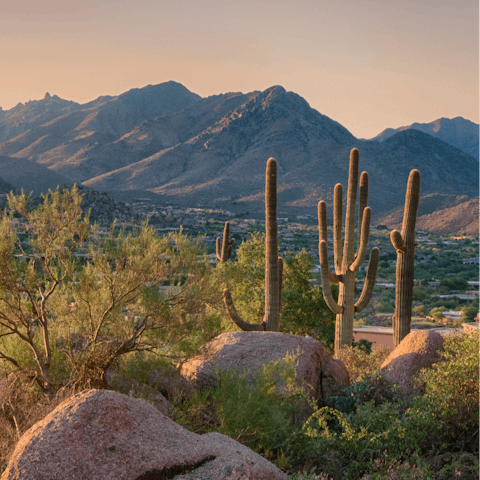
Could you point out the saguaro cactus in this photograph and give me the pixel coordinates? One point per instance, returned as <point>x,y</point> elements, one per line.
<point>225,245</point>
<point>346,262</point>
<point>404,243</point>
<point>273,263</point>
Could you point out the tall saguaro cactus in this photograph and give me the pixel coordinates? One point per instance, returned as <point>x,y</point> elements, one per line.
<point>347,262</point>
<point>404,244</point>
<point>273,263</point>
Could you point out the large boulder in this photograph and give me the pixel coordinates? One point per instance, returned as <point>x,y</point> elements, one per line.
<point>416,351</point>
<point>317,371</point>
<point>105,435</point>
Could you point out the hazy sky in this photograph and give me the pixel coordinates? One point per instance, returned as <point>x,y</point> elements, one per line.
<point>368,64</point>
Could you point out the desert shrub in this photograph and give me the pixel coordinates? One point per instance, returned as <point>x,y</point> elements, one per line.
<point>370,429</point>
<point>22,404</point>
<point>451,390</point>
<point>257,411</point>
<point>372,387</point>
<point>440,467</point>
<point>370,433</point>
<point>359,362</point>
<point>304,475</point>
<point>145,375</point>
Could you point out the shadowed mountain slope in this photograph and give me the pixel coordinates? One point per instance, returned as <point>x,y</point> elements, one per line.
<point>459,132</point>
<point>441,214</point>
<point>21,173</point>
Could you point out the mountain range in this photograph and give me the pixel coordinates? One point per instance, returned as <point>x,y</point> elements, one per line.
<point>459,132</point>
<point>168,144</point>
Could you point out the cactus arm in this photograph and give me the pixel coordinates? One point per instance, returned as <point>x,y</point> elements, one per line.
<point>348,248</point>
<point>367,291</point>
<point>322,233</point>
<point>337,227</point>
<point>327,291</point>
<point>322,221</point>
<point>362,249</point>
<point>280,284</point>
<point>397,241</point>
<point>235,317</point>
<point>334,278</point>
<point>411,206</point>
<point>363,200</point>
<point>219,247</point>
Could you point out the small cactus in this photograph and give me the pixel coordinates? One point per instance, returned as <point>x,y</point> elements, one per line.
<point>346,261</point>
<point>225,245</point>
<point>273,263</point>
<point>404,244</point>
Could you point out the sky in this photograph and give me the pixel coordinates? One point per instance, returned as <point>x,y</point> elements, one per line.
<point>367,64</point>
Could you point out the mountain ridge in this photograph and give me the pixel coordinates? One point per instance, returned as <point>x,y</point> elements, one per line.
<point>170,144</point>
<point>458,131</point>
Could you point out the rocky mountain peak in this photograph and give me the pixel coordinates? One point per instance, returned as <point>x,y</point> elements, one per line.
<point>458,131</point>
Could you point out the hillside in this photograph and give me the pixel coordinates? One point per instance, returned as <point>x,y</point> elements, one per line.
<point>5,187</point>
<point>462,217</point>
<point>32,177</point>
<point>459,132</point>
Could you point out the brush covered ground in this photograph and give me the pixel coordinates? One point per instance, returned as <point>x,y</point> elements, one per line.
<point>368,430</point>
<point>122,310</point>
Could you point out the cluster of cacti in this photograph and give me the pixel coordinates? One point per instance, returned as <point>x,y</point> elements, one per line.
<point>273,263</point>
<point>347,262</point>
<point>404,243</point>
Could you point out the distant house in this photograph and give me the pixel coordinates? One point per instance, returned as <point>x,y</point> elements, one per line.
<point>471,261</point>
<point>453,314</point>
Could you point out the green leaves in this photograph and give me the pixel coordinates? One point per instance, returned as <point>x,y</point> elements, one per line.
<point>304,309</point>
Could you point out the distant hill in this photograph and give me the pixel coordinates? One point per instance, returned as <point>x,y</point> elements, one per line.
<point>5,187</point>
<point>447,215</point>
<point>169,144</point>
<point>459,132</point>
<point>31,176</point>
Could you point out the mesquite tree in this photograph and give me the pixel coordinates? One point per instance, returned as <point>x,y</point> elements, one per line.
<point>71,304</point>
<point>347,262</point>
<point>273,263</point>
<point>404,244</point>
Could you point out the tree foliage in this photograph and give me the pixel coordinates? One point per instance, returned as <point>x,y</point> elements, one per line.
<point>70,305</point>
<point>304,310</point>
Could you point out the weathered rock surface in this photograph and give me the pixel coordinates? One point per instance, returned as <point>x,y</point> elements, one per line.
<point>247,351</point>
<point>103,435</point>
<point>416,351</point>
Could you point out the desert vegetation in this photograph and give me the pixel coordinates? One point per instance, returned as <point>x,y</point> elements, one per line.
<point>124,310</point>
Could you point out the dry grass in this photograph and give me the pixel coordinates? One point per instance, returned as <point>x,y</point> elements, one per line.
<point>359,363</point>
<point>22,404</point>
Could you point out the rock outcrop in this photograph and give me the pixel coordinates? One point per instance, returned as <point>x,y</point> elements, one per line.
<point>418,350</point>
<point>105,435</point>
<point>317,371</point>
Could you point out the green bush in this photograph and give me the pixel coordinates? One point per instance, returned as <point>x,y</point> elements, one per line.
<point>451,390</point>
<point>256,410</point>
<point>373,432</point>
<point>372,387</point>
<point>360,362</point>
